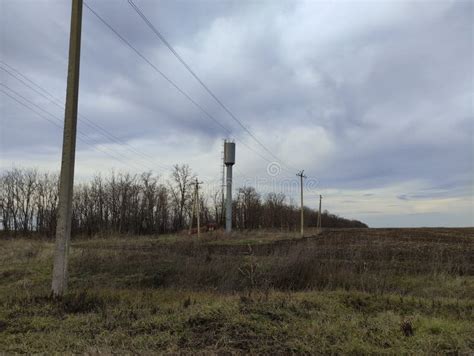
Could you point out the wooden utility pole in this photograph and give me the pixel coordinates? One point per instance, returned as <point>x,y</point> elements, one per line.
<point>319,215</point>
<point>66,183</point>
<point>301,175</point>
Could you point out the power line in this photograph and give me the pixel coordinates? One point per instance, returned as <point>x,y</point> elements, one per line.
<point>47,119</point>
<point>262,157</point>
<point>170,81</point>
<point>55,101</point>
<point>37,113</point>
<point>91,143</point>
<point>206,88</point>
<point>61,127</point>
<point>26,78</point>
<point>155,68</point>
<point>58,125</point>
<point>43,110</point>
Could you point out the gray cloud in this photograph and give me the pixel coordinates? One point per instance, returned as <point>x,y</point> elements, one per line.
<point>363,95</point>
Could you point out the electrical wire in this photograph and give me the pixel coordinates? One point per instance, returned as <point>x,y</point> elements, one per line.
<point>170,81</point>
<point>206,88</point>
<point>86,138</point>
<point>85,141</point>
<point>57,125</point>
<point>155,68</point>
<point>55,101</point>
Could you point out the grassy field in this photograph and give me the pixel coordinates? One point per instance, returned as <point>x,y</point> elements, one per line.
<point>367,291</point>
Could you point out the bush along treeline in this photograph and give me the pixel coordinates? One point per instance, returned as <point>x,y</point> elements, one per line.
<point>124,203</point>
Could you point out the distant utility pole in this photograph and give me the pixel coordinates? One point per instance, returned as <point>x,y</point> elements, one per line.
<point>198,208</point>
<point>301,175</point>
<point>319,215</point>
<point>196,205</point>
<point>63,228</point>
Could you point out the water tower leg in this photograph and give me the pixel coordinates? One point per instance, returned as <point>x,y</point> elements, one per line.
<point>228,209</point>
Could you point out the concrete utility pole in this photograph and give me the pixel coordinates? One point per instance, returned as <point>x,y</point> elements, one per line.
<point>301,175</point>
<point>198,209</point>
<point>193,205</point>
<point>63,229</point>
<point>196,205</point>
<point>319,215</point>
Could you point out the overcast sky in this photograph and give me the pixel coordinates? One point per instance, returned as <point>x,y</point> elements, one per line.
<point>374,100</point>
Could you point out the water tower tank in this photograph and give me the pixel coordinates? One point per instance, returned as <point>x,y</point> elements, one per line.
<point>229,153</point>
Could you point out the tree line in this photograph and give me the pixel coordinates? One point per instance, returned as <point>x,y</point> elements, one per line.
<point>124,203</point>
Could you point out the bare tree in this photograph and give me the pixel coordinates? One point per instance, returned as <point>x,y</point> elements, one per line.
<point>181,189</point>
<point>248,208</point>
<point>139,204</point>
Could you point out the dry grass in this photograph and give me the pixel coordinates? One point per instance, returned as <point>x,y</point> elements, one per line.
<point>343,291</point>
<point>376,261</point>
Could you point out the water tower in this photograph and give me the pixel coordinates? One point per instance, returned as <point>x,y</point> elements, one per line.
<point>229,160</point>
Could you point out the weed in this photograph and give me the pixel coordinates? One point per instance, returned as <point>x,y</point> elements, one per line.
<point>407,328</point>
